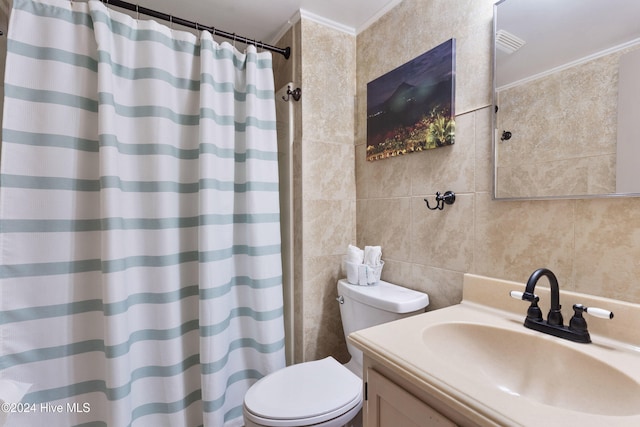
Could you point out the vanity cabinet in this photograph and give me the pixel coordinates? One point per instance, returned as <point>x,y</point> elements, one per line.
<point>394,399</point>
<point>471,365</point>
<point>389,405</point>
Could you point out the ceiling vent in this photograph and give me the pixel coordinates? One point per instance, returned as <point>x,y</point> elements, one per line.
<point>507,42</point>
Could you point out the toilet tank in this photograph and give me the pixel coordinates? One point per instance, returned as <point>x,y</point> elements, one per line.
<point>365,306</point>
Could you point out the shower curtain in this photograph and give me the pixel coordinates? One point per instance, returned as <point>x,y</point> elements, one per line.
<point>140,270</point>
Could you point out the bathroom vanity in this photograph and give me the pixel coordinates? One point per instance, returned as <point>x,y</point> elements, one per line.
<point>393,401</point>
<point>475,364</point>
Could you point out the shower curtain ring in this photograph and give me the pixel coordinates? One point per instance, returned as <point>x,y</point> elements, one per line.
<point>137,12</point>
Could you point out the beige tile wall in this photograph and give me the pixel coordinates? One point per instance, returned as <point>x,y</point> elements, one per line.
<point>427,250</point>
<point>324,186</point>
<point>592,245</point>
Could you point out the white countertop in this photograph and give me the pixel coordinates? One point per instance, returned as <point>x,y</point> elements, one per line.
<point>401,346</point>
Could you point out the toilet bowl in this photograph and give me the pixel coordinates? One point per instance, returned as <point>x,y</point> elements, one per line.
<point>319,393</point>
<point>324,393</point>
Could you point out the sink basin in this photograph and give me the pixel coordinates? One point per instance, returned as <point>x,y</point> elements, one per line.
<point>533,366</point>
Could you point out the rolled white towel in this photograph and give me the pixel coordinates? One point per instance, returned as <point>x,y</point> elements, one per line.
<point>355,255</point>
<point>372,255</point>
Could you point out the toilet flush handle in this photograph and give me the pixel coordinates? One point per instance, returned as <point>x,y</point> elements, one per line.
<point>340,299</point>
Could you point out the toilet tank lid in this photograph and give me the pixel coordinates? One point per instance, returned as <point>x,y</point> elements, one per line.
<point>385,296</point>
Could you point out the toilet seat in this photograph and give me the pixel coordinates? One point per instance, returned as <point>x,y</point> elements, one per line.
<point>304,394</point>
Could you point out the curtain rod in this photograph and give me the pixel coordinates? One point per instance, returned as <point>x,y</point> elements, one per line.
<point>286,52</point>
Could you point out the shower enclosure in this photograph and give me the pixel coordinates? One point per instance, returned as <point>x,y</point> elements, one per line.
<point>140,239</point>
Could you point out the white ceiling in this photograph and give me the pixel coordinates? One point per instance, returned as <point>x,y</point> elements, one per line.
<point>562,32</point>
<point>266,20</point>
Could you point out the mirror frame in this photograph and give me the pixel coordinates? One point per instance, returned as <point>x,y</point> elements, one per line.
<point>494,127</point>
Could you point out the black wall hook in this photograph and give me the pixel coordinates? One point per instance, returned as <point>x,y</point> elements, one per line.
<point>449,197</point>
<point>295,94</point>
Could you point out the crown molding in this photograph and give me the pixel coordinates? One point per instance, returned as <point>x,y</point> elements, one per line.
<point>390,5</point>
<point>311,17</point>
<point>302,13</point>
<point>327,22</point>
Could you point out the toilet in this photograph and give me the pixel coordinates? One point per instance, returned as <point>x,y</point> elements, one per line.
<point>324,393</point>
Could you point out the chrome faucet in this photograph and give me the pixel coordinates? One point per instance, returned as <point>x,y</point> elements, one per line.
<point>577,329</point>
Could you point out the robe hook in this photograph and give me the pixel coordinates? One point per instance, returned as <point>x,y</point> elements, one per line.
<point>449,197</point>
<point>295,94</point>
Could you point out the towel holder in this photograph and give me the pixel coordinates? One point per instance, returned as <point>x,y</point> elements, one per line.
<point>449,197</point>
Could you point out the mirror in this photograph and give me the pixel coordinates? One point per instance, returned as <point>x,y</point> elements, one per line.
<point>567,92</point>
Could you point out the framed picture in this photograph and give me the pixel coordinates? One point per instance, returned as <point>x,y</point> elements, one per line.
<point>411,108</point>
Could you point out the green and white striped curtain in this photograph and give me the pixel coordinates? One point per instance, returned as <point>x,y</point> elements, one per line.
<point>140,271</point>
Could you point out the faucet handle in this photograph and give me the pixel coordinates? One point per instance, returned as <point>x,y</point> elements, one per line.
<point>599,312</point>
<point>521,296</point>
<point>533,313</point>
<point>516,294</point>
<point>595,312</point>
<point>579,325</point>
